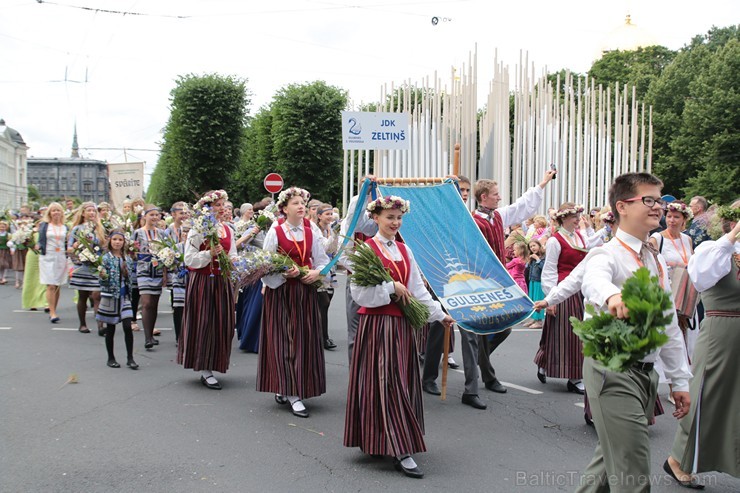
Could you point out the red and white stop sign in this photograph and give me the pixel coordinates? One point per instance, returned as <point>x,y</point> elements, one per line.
<point>273,183</point>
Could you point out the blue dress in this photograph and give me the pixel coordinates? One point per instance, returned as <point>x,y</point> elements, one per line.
<point>249,309</point>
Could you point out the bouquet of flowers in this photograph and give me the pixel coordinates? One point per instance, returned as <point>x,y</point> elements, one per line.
<point>368,270</point>
<point>89,253</point>
<point>205,223</point>
<point>618,344</point>
<point>166,251</point>
<point>22,237</point>
<point>241,226</point>
<point>264,220</point>
<point>250,267</point>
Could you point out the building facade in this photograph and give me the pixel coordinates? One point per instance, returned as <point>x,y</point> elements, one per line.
<point>13,168</point>
<point>56,178</point>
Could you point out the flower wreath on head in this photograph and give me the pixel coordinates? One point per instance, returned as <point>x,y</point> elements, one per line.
<point>388,202</point>
<point>729,213</point>
<point>608,217</point>
<point>680,207</point>
<point>210,198</point>
<point>578,209</point>
<point>291,192</point>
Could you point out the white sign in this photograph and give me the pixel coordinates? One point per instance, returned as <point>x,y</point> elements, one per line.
<point>373,130</point>
<point>126,182</point>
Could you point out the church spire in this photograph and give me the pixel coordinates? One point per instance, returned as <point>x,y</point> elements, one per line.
<point>75,147</point>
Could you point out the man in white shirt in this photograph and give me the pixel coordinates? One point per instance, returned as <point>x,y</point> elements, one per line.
<point>622,403</point>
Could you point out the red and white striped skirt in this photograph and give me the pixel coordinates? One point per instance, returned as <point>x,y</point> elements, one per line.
<point>208,323</point>
<point>291,356</point>
<point>385,412</point>
<point>561,352</point>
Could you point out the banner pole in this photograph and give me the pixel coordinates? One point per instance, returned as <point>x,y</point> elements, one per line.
<point>456,162</point>
<point>444,361</point>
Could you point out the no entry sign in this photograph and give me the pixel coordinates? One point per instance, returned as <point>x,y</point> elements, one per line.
<point>273,183</point>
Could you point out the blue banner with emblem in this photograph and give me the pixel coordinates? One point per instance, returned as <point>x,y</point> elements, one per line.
<point>457,262</point>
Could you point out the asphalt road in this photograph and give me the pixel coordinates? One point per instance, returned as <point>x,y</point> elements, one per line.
<point>159,430</point>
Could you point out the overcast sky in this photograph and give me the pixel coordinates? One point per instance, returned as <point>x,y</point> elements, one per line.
<point>112,73</point>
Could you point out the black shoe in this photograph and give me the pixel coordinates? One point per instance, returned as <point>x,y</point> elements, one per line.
<point>301,414</point>
<point>148,344</point>
<point>412,473</point>
<point>84,329</point>
<point>113,363</point>
<point>215,386</point>
<point>329,344</point>
<point>693,485</point>
<point>54,320</point>
<point>473,400</point>
<point>587,418</point>
<point>132,364</point>
<point>574,388</point>
<point>542,377</point>
<point>452,365</point>
<point>155,342</point>
<point>46,310</point>
<point>431,388</point>
<point>495,386</point>
<point>101,331</point>
<point>281,399</point>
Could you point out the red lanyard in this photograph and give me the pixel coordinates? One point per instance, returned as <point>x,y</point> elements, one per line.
<point>301,253</point>
<point>387,255</point>
<point>639,262</point>
<point>684,255</point>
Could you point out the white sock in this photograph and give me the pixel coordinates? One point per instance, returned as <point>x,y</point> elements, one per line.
<point>296,403</point>
<point>408,462</point>
<point>450,359</point>
<point>541,371</point>
<point>208,374</point>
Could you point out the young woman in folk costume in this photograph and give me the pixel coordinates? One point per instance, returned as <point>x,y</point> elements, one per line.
<point>291,356</point>
<point>560,354</point>
<point>178,231</point>
<point>115,298</point>
<point>149,272</point>
<point>330,241</point>
<point>83,279</point>
<point>208,316</point>
<point>384,400</point>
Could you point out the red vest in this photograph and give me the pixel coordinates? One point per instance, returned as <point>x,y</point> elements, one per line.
<point>493,231</point>
<point>213,267</point>
<point>569,256</point>
<point>299,251</point>
<point>403,266</point>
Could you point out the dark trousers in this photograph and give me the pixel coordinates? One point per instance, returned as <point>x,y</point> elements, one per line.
<point>486,346</point>
<point>435,348</point>
<point>353,321</point>
<point>324,302</point>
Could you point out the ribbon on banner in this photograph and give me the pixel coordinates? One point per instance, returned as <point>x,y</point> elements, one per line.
<point>457,262</point>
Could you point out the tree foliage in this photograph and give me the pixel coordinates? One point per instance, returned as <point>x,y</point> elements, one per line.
<point>203,140</point>
<point>637,68</point>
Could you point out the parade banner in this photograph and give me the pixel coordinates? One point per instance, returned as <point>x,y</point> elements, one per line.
<point>126,182</point>
<point>457,262</point>
<point>375,130</point>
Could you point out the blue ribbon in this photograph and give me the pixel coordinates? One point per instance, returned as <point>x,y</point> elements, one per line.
<point>359,209</point>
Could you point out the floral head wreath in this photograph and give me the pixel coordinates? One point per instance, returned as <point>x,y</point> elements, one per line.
<point>608,217</point>
<point>289,193</point>
<point>388,202</point>
<point>578,209</point>
<point>210,198</point>
<point>729,213</point>
<point>680,207</point>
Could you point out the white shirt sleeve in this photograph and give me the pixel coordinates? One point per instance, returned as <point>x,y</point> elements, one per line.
<point>524,207</point>
<point>194,257</point>
<point>710,263</point>
<point>567,287</point>
<point>272,281</point>
<point>596,239</point>
<point>549,277</point>
<point>597,287</point>
<point>318,255</point>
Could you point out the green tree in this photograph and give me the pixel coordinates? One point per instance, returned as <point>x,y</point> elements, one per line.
<point>257,159</point>
<point>203,139</point>
<point>637,68</point>
<point>306,137</point>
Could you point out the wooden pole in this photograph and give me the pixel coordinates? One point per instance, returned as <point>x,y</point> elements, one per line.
<point>456,165</point>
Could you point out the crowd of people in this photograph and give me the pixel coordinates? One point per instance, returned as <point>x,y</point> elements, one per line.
<point>564,260</point>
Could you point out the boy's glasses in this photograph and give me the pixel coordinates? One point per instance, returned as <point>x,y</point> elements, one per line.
<point>648,201</point>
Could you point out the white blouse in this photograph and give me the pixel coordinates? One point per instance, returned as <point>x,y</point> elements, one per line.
<point>318,255</point>
<point>377,296</point>
<point>673,251</point>
<point>197,258</point>
<point>711,262</point>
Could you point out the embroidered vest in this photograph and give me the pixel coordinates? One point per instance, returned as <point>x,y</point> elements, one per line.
<point>213,267</point>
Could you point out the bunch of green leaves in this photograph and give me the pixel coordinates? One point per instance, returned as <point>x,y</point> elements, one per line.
<point>282,263</point>
<point>618,344</point>
<point>368,270</point>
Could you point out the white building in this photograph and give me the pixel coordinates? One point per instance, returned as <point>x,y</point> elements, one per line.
<point>13,168</point>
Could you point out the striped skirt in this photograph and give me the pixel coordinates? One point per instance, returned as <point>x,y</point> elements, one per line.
<point>207,324</point>
<point>84,279</point>
<point>385,412</point>
<point>112,310</point>
<point>291,353</point>
<point>6,260</point>
<point>19,260</point>
<point>560,352</point>
<point>179,289</point>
